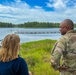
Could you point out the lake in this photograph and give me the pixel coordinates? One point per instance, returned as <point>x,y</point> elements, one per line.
<point>54,33</point>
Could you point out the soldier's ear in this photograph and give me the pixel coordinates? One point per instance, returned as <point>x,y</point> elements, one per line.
<point>67,27</point>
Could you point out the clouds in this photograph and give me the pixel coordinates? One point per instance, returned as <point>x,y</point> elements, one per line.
<point>17,0</point>
<point>19,11</point>
<point>57,4</point>
<point>61,4</point>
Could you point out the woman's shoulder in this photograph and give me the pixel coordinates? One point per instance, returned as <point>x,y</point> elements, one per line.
<point>21,60</point>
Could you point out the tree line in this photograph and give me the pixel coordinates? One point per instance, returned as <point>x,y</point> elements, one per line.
<point>30,25</point>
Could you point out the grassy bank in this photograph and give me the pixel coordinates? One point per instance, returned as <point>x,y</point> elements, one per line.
<point>37,56</point>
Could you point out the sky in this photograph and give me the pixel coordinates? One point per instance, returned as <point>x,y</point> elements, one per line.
<point>20,11</point>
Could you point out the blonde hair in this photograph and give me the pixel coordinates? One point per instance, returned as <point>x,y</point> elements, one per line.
<point>10,47</point>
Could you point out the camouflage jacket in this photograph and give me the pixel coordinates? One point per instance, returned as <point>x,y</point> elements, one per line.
<point>65,49</point>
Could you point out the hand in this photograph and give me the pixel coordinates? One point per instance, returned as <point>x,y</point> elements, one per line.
<point>30,73</point>
<point>63,68</point>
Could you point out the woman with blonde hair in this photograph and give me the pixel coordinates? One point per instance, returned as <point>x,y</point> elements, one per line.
<point>10,62</point>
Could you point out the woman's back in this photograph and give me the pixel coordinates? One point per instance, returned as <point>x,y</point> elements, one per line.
<point>10,62</point>
<point>15,67</point>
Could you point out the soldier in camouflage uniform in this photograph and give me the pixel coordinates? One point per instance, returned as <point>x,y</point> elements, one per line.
<point>65,50</point>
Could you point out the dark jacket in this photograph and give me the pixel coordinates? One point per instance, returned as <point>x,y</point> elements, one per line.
<point>14,67</point>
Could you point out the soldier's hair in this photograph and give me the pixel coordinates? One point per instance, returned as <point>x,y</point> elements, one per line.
<point>70,23</point>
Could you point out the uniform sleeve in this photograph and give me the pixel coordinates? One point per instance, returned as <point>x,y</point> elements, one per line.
<point>57,53</point>
<point>23,68</point>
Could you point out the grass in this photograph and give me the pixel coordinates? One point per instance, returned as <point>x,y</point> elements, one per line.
<point>37,55</point>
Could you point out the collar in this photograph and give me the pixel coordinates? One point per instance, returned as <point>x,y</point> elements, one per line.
<point>71,31</point>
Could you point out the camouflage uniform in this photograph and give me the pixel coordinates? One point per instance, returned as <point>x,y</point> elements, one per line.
<point>65,49</point>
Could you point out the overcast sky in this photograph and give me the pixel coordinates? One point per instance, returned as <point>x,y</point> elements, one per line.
<point>20,11</point>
